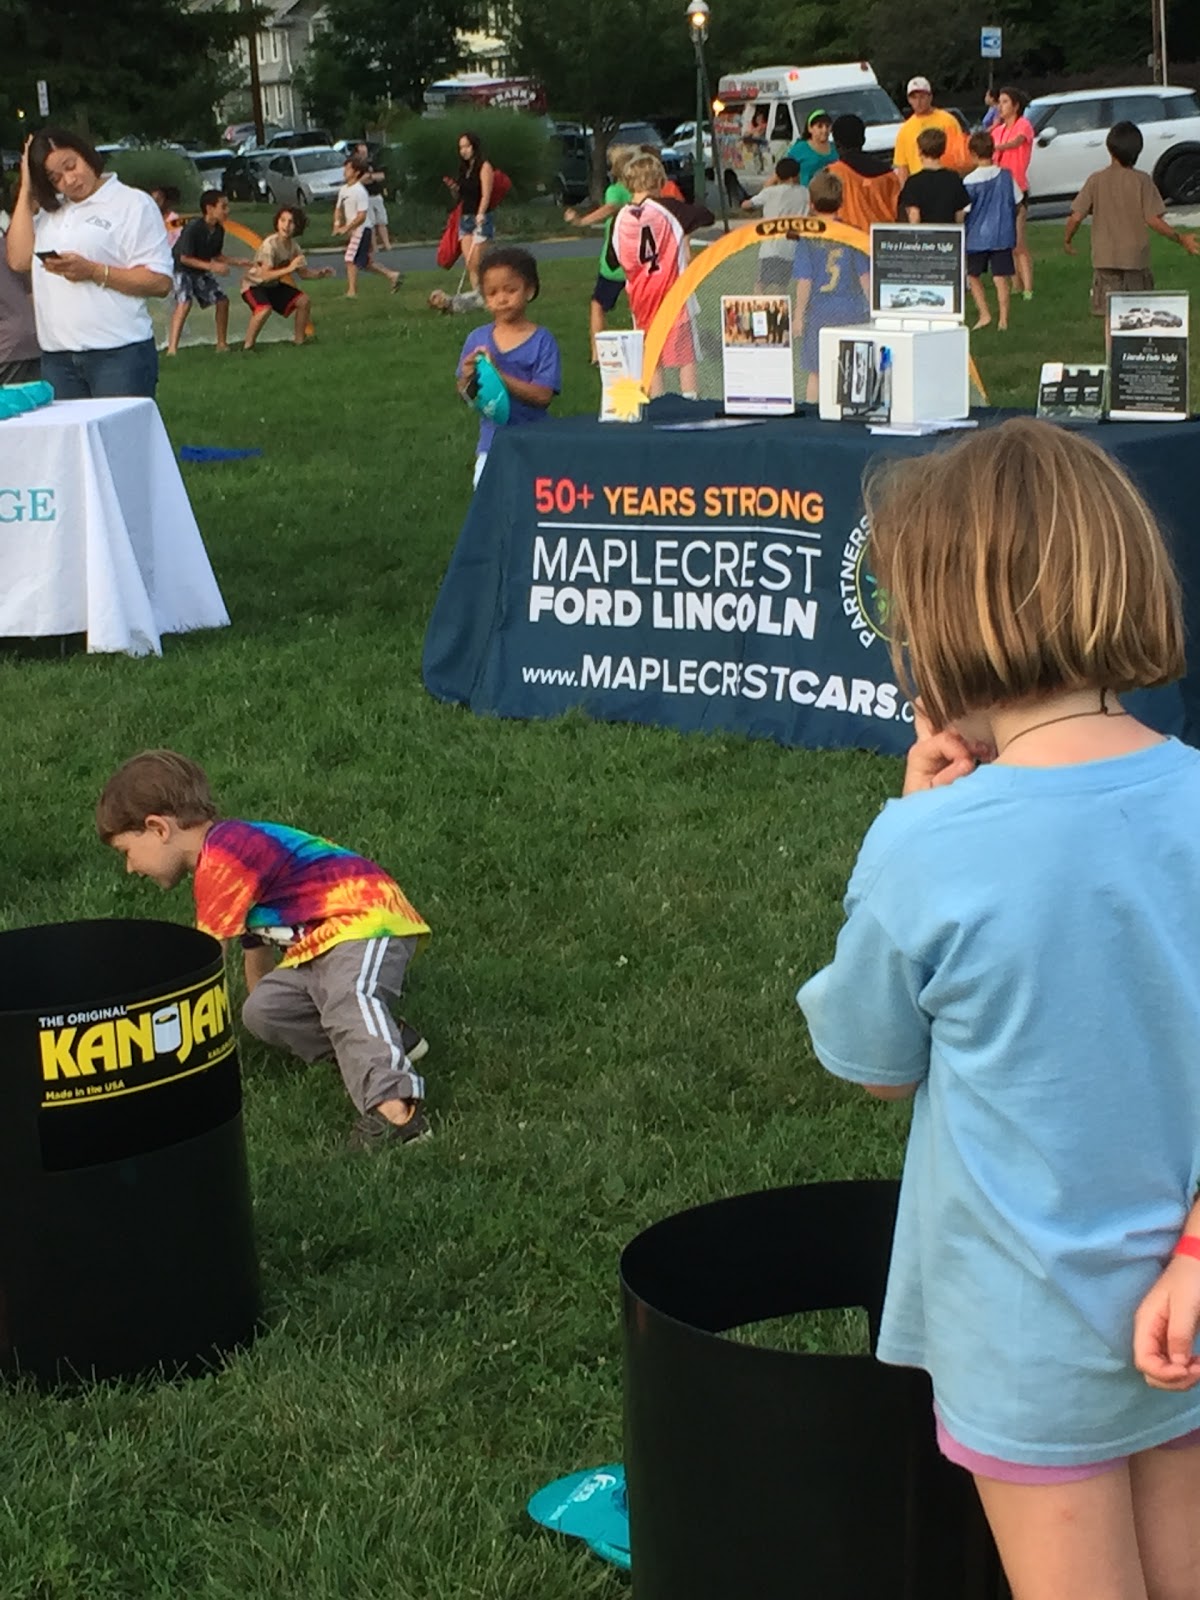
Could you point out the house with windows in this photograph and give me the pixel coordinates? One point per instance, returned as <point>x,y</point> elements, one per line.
<point>288,31</point>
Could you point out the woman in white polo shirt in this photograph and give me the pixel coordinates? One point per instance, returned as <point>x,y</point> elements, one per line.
<point>97,250</point>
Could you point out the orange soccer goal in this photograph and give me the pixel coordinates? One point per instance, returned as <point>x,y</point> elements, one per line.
<point>759,258</point>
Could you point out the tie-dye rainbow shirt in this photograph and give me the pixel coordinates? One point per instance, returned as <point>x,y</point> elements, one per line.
<point>257,877</point>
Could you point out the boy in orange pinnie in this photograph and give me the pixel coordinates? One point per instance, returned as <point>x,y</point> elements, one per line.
<point>327,935</point>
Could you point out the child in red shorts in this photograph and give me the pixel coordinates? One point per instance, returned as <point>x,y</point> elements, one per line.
<point>279,257</point>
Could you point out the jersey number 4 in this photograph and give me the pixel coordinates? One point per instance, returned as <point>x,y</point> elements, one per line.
<point>648,251</point>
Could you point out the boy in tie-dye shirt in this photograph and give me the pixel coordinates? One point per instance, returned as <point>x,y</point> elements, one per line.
<point>327,935</point>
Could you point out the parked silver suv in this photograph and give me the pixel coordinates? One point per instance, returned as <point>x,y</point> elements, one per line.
<point>1071,130</point>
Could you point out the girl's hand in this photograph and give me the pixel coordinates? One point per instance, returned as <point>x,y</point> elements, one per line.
<point>570,214</point>
<point>76,268</point>
<point>25,161</point>
<point>325,272</point>
<point>1165,1326</point>
<point>937,758</point>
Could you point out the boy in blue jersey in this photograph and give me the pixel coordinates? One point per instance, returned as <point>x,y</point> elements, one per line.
<point>991,228</point>
<point>832,282</point>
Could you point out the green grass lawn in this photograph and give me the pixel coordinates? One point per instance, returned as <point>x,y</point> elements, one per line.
<point>621,917</point>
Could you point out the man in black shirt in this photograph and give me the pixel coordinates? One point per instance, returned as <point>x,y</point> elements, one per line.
<point>199,255</point>
<point>935,194</point>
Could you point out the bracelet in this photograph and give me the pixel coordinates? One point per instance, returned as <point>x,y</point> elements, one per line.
<point>1189,1245</point>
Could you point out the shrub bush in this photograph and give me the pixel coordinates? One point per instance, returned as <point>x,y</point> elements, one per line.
<point>516,143</point>
<point>152,167</point>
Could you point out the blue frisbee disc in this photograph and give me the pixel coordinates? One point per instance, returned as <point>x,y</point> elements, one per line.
<point>590,1506</point>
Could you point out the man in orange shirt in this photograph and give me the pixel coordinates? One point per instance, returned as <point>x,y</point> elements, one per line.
<point>870,188</point>
<point>925,114</point>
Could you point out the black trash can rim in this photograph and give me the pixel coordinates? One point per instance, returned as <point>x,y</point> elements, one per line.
<point>164,951</point>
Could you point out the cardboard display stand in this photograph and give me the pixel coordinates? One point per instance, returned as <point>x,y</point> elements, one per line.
<point>758,377</point>
<point>919,345</point>
<point>1071,393</point>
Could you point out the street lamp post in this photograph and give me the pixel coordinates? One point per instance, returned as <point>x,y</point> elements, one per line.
<point>697,16</point>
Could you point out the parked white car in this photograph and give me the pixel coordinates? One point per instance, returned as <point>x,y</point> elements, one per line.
<point>1071,129</point>
<point>684,138</point>
<point>302,177</point>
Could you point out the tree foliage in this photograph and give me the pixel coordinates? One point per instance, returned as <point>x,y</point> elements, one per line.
<point>149,68</point>
<point>373,52</point>
<point>620,59</point>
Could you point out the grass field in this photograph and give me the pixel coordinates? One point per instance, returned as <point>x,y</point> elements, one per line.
<point>621,917</point>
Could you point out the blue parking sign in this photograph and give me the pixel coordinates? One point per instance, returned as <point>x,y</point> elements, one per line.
<point>991,43</point>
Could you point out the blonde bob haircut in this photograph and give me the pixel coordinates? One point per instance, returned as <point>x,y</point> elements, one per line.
<point>644,174</point>
<point>1020,563</point>
<point>619,157</point>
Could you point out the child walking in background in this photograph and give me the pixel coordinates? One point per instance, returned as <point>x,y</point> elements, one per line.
<point>278,257</point>
<point>991,228</point>
<point>832,283</point>
<point>524,354</point>
<point>167,199</point>
<point>327,935</point>
<point>1122,203</point>
<point>611,279</point>
<point>1021,954</point>
<point>650,241</point>
<point>781,196</point>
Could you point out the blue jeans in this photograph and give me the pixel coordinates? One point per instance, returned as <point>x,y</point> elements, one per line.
<point>127,369</point>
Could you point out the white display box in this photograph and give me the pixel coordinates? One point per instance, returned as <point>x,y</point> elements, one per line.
<point>931,370</point>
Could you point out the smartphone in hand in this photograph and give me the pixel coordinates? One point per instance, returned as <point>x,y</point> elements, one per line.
<point>46,255</point>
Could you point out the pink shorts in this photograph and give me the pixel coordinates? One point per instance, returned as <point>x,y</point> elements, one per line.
<point>1015,1472</point>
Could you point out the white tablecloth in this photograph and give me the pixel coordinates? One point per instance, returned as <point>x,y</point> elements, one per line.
<point>96,532</point>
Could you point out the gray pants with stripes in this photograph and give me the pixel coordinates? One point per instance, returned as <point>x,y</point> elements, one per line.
<point>335,1008</point>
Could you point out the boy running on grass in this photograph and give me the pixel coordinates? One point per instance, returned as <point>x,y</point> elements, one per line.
<point>199,255</point>
<point>279,257</point>
<point>350,217</point>
<point>327,936</point>
<point>1122,203</point>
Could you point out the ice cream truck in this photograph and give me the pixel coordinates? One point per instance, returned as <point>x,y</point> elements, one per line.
<point>758,116</point>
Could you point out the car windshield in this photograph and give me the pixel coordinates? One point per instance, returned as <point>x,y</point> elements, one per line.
<point>205,162</point>
<point>873,104</point>
<point>318,161</point>
<point>1040,112</point>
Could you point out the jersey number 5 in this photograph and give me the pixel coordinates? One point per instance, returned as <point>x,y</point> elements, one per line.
<point>648,250</point>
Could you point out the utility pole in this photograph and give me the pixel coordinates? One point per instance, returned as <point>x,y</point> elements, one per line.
<point>256,110</point>
<point>1156,41</point>
<point>1162,37</point>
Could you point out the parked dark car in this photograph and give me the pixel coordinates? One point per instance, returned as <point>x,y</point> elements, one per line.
<point>246,176</point>
<point>573,179</point>
<point>301,139</point>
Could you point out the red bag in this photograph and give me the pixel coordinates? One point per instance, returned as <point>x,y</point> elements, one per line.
<point>450,244</point>
<point>501,184</point>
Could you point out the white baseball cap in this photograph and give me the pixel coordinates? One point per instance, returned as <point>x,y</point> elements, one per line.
<point>919,86</point>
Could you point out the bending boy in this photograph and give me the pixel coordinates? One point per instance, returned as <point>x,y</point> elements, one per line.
<point>327,936</point>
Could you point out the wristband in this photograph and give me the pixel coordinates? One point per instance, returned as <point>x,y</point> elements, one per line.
<point>1189,1245</point>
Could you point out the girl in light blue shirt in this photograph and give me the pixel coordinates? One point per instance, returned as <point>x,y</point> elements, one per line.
<point>1021,955</point>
